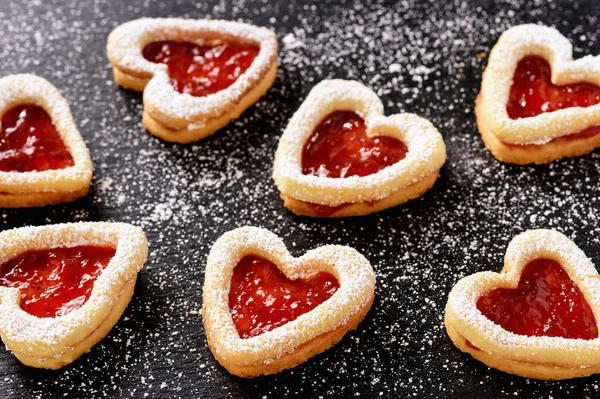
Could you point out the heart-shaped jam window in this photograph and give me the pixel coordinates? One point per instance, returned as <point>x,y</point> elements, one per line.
<point>200,70</point>
<point>262,298</point>
<point>533,93</point>
<point>29,141</point>
<point>545,303</point>
<point>339,147</point>
<point>57,281</point>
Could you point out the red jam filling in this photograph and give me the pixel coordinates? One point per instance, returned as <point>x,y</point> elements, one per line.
<point>470,345</point>
<point>339,147</point>
<point>29,141</point>
<point>200,70</point>
<point>324,210</point>
<point>261,298</point>
<point>533,93</point>
<point>54,282</point>
<point>545,303</point>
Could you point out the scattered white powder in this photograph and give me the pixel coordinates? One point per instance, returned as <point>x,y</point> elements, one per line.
<point>418,250</point>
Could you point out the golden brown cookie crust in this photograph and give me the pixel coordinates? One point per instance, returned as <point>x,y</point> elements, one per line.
<point>426,150</point>
<point>40,188</point>
<point>413,191</point>
<point>168,113</point>
<point>539,132</point>
<point>537,357</point>
<point>527,370</point>
<point>55,342</point>
<point>294,342</point>
<point>538,154</point>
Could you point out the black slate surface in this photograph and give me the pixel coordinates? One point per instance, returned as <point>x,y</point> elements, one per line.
<point>420,56</point>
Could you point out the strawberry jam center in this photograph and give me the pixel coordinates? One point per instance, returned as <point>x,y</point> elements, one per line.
<point>200,70</point>
<point>533,93</point>
<point>54,282</point>
<point>339,147</point>
<point>29,141</point>
<point>545,303</point>
<point>262,298</point>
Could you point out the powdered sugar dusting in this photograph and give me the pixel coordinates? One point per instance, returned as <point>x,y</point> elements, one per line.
<point>418,250</point>
<point>354,273</point>
<point>464,316</point>
<point>125,45</point>
<point>515,44</point>
<point>426,150</point>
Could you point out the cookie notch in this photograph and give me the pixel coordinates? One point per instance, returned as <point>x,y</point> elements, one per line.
<point>296,341</point>
<point>182,118</point>
<point>407,179</point>
<point>52,343</point>
<point>53,186</point>
<point>543,138</point>
<point>540,357</point>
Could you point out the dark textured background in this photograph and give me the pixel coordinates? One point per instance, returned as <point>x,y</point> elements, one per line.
<point>420,56</point>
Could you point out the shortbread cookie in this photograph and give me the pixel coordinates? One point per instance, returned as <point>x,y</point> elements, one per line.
<point>536,104</point>
<point>265,311</point>
<point>538,317</point>
<point>340,156</point>
<point>196,75</point>
<point>64,286</point>
<point>43,159</point>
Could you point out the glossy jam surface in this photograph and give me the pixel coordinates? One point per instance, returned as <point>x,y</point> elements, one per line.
<point>339,147</point>
<point>200,70</point>
<point>545,303</point>
<point>533,93</point>
<point>261,298</point>
<point>57,281</point>
<point>29,141</point>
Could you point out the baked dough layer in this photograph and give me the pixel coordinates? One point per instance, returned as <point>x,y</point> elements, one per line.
<point>178,117</point>
<point>535,357</point>
<point>294,342</point>
<point>190,134</point>
<point>538,154</point>
<point>426,150</point>
<point>86,344</point>
<point>413,191</point>
<point>40,188</point>
<point>527,370</point>
<point>497,128</point>
<point>56,341</point>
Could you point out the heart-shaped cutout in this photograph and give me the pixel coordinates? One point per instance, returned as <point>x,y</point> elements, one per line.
<point>537,104</point>
<point>262,348</point>
<point>43,159</point>
<point>533,93</point>
<point>29,141</point>
<point>339,147</point>
<point>419,148</point>
<point>538,317</point>
<point>546,303</point>
<point>63,287</point>
<point>201,70</point>
<point>262,298</point>
<point>53,282</point>
<point>196,75</point>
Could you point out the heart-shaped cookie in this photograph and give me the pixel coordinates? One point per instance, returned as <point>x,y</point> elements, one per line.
<point>43,159</point>
<point>536,103</point>
<point>321,295</point>
<point>402,163</point>
<point>63,287</point>
<point>538,318</point>
<point>196,75</point>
